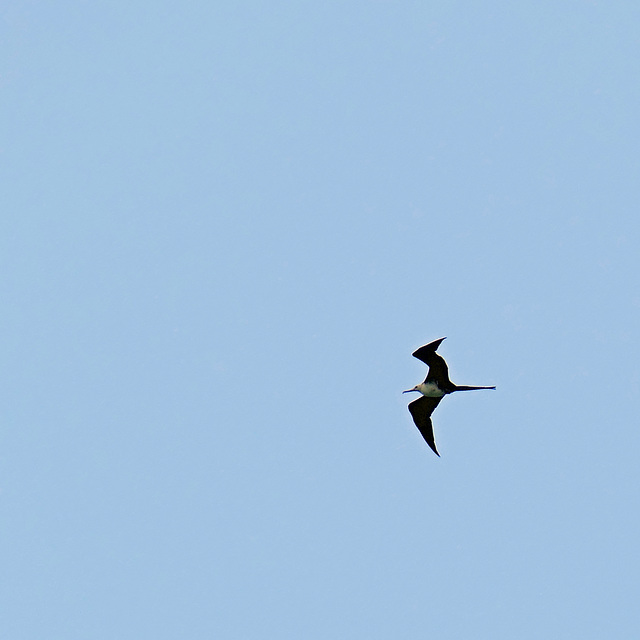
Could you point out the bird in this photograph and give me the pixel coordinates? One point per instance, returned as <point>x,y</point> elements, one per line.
<point>435,386</point>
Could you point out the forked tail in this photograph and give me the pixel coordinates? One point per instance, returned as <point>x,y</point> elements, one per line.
<point>471,388</point>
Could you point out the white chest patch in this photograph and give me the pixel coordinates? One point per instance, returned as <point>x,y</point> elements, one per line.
<point>430,389</point>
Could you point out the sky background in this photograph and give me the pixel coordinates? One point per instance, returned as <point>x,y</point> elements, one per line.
<point>224,228</point>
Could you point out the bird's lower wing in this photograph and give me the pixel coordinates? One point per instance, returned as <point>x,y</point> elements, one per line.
<point>421,410</point>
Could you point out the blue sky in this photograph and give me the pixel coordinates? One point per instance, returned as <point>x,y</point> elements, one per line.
<point>225,228</point>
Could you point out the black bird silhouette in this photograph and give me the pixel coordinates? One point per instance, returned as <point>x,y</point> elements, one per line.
<point>435,386</point>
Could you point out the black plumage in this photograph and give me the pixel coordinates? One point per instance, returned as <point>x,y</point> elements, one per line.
<point>435,386</point>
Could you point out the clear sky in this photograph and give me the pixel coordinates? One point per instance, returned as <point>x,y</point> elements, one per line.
<point>224,228</point>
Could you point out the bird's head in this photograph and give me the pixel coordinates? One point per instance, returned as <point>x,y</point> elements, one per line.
<point>410,390</point>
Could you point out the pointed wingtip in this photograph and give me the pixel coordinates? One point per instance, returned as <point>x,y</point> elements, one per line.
<point>433,448</point>
<point>427,349</point>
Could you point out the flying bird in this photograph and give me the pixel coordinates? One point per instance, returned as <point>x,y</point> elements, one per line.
<point>435,386</point>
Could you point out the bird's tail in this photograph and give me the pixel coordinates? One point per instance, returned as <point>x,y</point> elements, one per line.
<point>458,388</point>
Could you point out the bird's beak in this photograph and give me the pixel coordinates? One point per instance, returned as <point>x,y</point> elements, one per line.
<point>410,390</point>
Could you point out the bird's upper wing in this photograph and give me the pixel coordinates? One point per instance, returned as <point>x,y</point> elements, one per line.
<point>421,410</point>
<point>438,370</point>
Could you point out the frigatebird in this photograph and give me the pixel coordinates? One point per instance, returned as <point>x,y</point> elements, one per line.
<point>435,386</point>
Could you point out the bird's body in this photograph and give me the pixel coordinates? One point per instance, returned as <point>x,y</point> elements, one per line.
<point>435,386</point>
<point>430,390</point>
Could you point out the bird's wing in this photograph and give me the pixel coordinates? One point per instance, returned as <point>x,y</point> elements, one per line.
<point>425,353</point>
<point>438,370</point>
<point>421,410</point>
